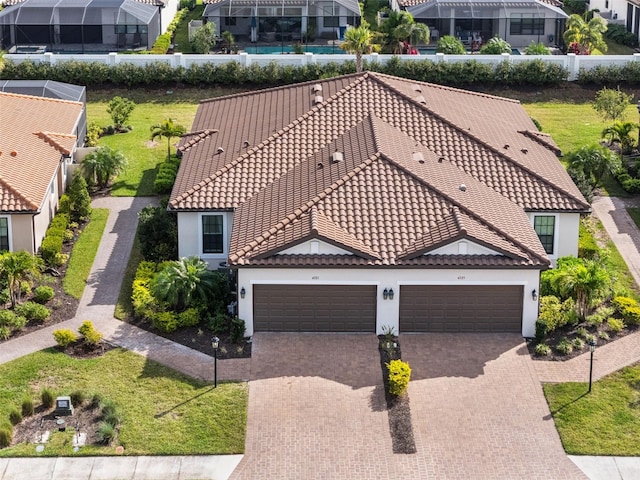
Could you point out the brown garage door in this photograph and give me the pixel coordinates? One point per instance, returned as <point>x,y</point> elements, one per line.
<point>314,308</point>
<point>455,308</point>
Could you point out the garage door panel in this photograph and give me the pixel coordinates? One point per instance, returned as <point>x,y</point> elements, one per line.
<point>461,308</point>
<point>314,308</point>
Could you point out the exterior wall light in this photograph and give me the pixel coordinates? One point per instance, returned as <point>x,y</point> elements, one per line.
<point>534,294</point>
<point>391,294</point>
<point>385,294</point>
<point>243,292</point>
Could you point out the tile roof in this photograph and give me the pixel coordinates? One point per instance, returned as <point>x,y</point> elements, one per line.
<point>35,132</point>
<point>228,160</point>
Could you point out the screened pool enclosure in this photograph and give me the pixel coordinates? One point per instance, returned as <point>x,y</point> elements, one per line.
<point>79,25</point>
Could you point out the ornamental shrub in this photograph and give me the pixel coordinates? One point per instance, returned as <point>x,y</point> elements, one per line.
<point>166,176</point>
<point>5,332</point>
<point>51,247</point>
<point>628,309</point>
<point>79,199</point>
<point>164,321</point>
<point>615,325</point>
<point>158,234</point>
<point>189,318</point>
<point>495,46</point>
<point>555,314</point>
<point>43,294</point>
<point>64,337</point>
<point>450,45</point>
<point>542,350</point>
<point>77,398</point>
<point>33,311</point>
<point>7,317</point>
<point>6,435</point>
<point>238,329</point>
<point>106,433</point>
<point>399,376</point>
<point>15,417</point>
<point>564,347</point>
<point>47,398</point>
<point>91,336</point>
<point>27,407</point>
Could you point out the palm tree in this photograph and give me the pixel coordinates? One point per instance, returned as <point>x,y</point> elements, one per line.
<point>586,282</point>
<point>620,132</point>
<point>593,161</point>
<point>16,268</point>
<point>586,36</point>
<point>184,283</point>
<point>169,130</point>
<point>412,32</point>
<point>359,40</point>
<point>101,165</point>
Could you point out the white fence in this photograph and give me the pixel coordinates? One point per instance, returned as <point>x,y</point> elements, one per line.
<point>573,63</point>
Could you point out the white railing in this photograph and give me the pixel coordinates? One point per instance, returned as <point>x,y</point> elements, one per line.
<point>573,63</point>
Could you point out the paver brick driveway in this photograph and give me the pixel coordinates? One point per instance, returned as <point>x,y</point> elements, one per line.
<point>317,410</point>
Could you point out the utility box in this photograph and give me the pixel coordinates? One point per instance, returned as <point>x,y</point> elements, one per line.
<point>63,407</point>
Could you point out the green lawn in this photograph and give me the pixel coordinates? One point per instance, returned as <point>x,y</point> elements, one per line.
<point>181,37</point>
<point>614,48</point>
<point>84,251</point>
<point>164,412</point>
<point>634,213</point>
<point>144,157</point>
<point>603,422</point>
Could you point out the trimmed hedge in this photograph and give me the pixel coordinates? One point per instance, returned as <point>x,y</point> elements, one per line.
<point>614,75</point>
<point>534,72</point>
<point>166,176</point>
<point>51,248</point>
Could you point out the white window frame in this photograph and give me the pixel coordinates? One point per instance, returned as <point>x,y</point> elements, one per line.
<point>225,247</point>
<point>556,229</point>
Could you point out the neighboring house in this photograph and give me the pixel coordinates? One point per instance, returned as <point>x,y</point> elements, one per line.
<point>368,200</point>
<point>282,20</point>
<point>80,26</point>
<point>38,138</point>
<point>622,12</point>
<point>519,22</point>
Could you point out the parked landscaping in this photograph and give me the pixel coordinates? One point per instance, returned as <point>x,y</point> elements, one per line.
<point>162,412</point>
<point>605,421</point>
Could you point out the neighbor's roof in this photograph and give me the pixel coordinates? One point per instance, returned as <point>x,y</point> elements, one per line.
<point>351,5</point>
<point>34,133</point>
<point>227,160</point>
<point>479,8</point>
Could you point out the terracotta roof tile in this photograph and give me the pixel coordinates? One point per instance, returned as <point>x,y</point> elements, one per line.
<point>34,133</point>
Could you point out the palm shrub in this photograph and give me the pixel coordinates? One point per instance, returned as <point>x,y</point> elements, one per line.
<point>537,49</point>
<point>183,283</point>
<point>167,129</point>
<point>102,165</point>
<point>399,377</point>
<point>495,46</point>
<point>450,45</point>
<point>620,132</point>
<point>16,268</point>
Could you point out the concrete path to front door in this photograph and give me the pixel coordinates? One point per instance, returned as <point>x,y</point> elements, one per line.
<point>317,410</point>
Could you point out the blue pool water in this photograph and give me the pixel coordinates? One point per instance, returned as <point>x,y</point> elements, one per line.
<point>289,49</point>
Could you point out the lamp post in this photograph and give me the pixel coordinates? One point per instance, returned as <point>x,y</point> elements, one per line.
<point>592,348</point>
<point>215,342</point>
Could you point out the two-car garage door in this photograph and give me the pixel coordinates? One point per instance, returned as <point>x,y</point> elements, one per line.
<point>352,308</point>
<point>461,308</point>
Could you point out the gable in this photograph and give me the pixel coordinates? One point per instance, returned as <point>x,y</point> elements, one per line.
<point>314,247</point>
<point>463,247</point>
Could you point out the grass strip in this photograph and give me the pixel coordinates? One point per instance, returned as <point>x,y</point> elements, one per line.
<point>84,252</point>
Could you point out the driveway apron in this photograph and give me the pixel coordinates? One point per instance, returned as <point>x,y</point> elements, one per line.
<point>317,410</point>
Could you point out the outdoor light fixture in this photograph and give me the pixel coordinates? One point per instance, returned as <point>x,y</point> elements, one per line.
<point>385,294</point>
<point>215,342</point>
<point>243,292</point>
<point>391,294</point>
<point>592,348</point>
<point>534,294</point>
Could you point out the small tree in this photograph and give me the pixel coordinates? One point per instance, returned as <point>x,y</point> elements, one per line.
<point>79,200</point>
<point>158,234</point>
<point>169,130</point>
<point>204,38</point>
<point>611,104</point>
<point>583,37</point>
<point>103,164</point>
<point>120,109</point>
<point>18,267</point>
<point>229,40</point>
<point>592,161</point>
<point>620,132</point>
<point>586,282</point>
<point>359,40</point>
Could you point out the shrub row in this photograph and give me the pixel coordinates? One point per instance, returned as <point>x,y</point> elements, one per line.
<point>163,42</point>
<point>628,309</point>
<point>166,176</point>
<point>619,34</point>
<point>534,72</point>
<point>628,73</point>
<point>51,248</point>
<point>629,183</point>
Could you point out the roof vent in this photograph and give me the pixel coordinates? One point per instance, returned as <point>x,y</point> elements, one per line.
<point>318,99</point>
<point>420,99</point>
<point>418,157</point>
<point>337,157</point>
<point>440,159</point>
<point>317,87</point>
<point>416,87</point>
<point>246,143</point>
<point>463,187</point>
<point>320,165</point>
<point>506,146</point>
<point>220,150</point>
<point>14,153</point>
<point>524,150</point>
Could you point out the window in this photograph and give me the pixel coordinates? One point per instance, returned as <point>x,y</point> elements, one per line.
<point>526,25</point>
<point>545,228</point>
<point>331,21</point>
<point>4,233</point>
<point>212,234</point>
<point>229,21</point>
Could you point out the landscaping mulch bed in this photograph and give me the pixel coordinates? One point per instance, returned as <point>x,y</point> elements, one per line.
<point>199,338</point>
<point>569,332</point>
<point>398,407</point>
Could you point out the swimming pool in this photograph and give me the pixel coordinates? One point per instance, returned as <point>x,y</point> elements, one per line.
<point>275,49</point>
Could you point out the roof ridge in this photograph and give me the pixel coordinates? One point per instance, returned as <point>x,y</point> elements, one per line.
<point>48,138</point>
<point>15,192</point>
<point>275,89</point>
<point>44,99</point>
<point>298,212</point>
<point>202,135</point>
<point>236,161</point>
<point>542,139</point>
